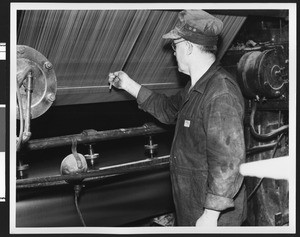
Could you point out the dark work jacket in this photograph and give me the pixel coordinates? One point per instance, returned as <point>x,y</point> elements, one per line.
<point>208,146</point>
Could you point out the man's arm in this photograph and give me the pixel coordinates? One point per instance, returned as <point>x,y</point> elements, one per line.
<point>164,108</point>
<point>223,123</point>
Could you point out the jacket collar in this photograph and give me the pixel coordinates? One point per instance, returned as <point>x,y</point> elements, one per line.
<point>201,83</point>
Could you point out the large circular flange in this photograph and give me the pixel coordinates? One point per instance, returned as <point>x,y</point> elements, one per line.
<point>44,84</point>
<point>259,74</point>
<point>269,73</point>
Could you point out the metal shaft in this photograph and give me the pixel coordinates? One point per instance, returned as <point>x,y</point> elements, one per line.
<point>97,136</point>
<point>27,133</point>
<point>102,173</point>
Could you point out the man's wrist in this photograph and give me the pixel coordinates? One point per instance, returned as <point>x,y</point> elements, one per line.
<point>211,213</point>
<point>133,88</point>
<point>209,218</point>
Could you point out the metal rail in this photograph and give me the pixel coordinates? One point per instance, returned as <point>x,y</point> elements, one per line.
<point>91,136</point>
<point>110,171</point>
<point>102,173</point>
<point>261,148</point>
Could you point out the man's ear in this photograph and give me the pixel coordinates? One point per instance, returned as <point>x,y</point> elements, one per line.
<point>190,48</point>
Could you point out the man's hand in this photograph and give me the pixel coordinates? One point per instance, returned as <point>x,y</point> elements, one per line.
<point>209,218</point>
<point>121,80</point>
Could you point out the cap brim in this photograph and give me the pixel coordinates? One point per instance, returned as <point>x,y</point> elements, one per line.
<point>171,35</point>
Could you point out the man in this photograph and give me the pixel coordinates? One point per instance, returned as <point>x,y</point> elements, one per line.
<point>208,145</point>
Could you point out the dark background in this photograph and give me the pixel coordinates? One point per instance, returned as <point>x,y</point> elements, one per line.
<point>2,129</point>
<point>3,77</point>
<point>4,38</point>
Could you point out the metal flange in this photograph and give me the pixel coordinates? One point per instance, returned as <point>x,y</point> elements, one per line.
<point>44,84</point>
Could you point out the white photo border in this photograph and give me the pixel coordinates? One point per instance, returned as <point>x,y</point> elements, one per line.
<point>291,7</point>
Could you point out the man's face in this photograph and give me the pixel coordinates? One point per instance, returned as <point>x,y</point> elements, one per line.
<point>180,52</point>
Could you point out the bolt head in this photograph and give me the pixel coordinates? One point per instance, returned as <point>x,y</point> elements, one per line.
<point>51,97</point>
<point>48,65</point>
<point>21,50</point>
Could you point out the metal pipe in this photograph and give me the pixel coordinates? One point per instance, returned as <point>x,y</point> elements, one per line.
<point>108,171</point>
<point>268,136</point>
<point>20,138</point>
<point>20,79</point>
<point>260,148</point>
<point>94,136</point>
<point>27,133</point>
<point>102,173</point>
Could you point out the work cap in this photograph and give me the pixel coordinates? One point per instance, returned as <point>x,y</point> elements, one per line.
<point>196,26</point>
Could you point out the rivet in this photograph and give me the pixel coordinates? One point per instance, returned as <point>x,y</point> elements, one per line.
<point>48,65</point>
<point>21,50</point>
<point>51,97</point>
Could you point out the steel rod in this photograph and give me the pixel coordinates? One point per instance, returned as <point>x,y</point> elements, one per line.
<point>260,148</point>
<point>94,136</point>
<point>102,173</point>
<point>27,133</point>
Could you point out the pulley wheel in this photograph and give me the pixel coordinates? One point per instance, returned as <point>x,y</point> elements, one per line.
<point>44,83</point>
<point>260,73</point>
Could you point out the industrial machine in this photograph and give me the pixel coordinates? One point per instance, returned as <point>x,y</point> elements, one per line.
<point>87,156</point>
